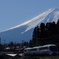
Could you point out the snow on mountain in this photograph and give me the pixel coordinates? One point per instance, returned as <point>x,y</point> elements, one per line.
<point>24,31</point>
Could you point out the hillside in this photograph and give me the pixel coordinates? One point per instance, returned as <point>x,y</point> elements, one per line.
<point>24,31</point>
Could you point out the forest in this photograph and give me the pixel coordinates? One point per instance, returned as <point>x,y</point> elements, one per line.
<point>45,34</point>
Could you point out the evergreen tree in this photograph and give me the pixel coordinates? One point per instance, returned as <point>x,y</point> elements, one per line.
<point>30,43</point>
<point>42,28</point>
<point>36,36</point>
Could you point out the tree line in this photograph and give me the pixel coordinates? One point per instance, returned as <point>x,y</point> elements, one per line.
<point>45,34</point>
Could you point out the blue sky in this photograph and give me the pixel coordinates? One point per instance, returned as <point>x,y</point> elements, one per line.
<point>15,12</point>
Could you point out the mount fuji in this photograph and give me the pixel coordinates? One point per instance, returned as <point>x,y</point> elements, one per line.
<point>23,32</point>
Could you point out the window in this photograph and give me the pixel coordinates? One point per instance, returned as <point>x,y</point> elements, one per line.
<point>32,49</point>
<point>43,48</point>
<point>53,48</point>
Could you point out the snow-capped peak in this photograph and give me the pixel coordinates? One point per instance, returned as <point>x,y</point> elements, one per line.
<point>24,31</point>
<point>42,17</point>
<point>30,23</point>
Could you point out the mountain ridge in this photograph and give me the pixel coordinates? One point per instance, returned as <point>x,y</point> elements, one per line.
<point>28,21</point>
<point>24,31</point>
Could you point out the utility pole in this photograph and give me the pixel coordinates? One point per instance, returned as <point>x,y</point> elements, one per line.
<point>0,41</point>
<point>0,44</point>
<point>22,43</point>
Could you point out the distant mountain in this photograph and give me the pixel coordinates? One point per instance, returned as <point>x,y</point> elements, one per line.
<point>23,32</point>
